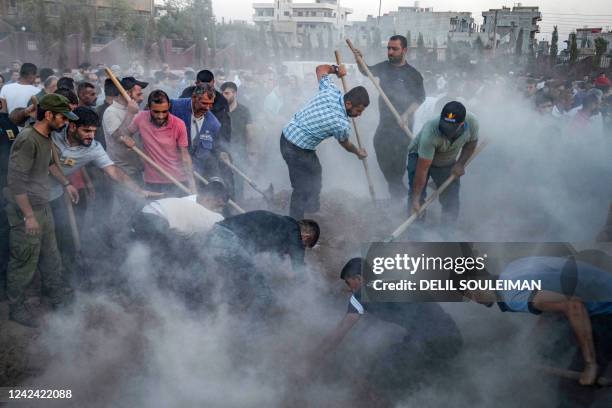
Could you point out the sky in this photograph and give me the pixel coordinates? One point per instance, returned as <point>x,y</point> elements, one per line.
<point>567,14</point>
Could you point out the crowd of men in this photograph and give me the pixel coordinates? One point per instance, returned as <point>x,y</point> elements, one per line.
<point>72,144</point>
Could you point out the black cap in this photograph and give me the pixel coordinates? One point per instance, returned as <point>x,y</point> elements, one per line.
<point>453,113</point>
<point>129,82</point>
<point>216,187</point>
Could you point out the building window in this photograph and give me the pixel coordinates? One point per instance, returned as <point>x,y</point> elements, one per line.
<point>300,14</point>
<point>287,14</point>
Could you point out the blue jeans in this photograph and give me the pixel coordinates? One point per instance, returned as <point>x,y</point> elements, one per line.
<point>243,284</point>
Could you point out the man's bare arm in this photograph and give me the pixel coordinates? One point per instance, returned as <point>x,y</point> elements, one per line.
<point>122,130</point>
<point>351,148</point>
<point>188,168</point>
<point>121,177</point>
<point>323,70</point>
<point>58,174</point>
<point>580,322</point>
<point>331,341</point>
<point>420,178</point>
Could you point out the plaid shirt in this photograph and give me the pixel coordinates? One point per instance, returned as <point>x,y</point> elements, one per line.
<point>325,116</point>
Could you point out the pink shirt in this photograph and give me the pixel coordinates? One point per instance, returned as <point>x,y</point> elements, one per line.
<point>161,144</point>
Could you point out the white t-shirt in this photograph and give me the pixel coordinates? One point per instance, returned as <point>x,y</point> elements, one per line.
<point>17,95</point>
<point>184,215</point>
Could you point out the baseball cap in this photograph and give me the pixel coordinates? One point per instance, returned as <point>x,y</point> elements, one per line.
<point>57,104</point>
<point>129,82</point>
<point>453,113</point>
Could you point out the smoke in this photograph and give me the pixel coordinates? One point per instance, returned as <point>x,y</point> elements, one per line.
<point>142,348</point>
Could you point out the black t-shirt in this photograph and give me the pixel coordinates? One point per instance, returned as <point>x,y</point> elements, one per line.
<point>8,133</point>
<point>422,321</point>
<point>241,117</point>
<point>403,85</point>
<point>264,231</point>
<point>100,137</point>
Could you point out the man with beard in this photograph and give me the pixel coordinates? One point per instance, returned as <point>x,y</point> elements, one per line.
<point>325,116</point>
<point>165,141</point>
<point>403,84</point>
<point>76,147</point>
<point>206,147</point>
<point>32,229</point>
<point>86,92</point>
<point>434,151</point>
<point>220,108</point>
<point>242,146</point>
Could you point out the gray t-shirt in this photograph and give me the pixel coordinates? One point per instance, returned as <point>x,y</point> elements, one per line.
<point>123,157</point>
<point>431,144</point>
<point>72,158</point>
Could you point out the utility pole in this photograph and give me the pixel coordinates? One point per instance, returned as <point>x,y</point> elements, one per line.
<point>494,45</point>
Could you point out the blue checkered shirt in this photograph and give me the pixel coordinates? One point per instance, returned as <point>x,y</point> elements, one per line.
<point>325,116</point>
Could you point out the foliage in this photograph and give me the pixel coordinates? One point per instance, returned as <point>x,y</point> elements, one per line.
<point>601,46</point>
<point>573,48</point>
<point>554,46</point>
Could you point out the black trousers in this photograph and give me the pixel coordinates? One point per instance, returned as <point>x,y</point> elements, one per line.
<point>4,248</point>
<point>305,174</point>
<point>391,147</point>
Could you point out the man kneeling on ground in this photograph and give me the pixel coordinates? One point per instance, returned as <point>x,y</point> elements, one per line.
<point>234,242</point>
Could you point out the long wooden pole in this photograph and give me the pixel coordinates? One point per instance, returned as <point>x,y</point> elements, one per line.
<point>394,111</point>
<point>230,202</point>
<point>137,150</point>
<point>571,375</point>
<point>122,91</point>
<point>357,136</point>
<point>74,229</point>
<point>246,178</point>
<point>400,230</point>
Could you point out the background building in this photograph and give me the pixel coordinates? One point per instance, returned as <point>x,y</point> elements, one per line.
<point>507,23</point>
<point>299,23</point>
<point>434,26</point>
<point>103,14</point>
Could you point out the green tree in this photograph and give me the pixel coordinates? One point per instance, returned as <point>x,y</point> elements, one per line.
<point>448,53</point>
<point>376,39</point>
<point>554,46</point>
<point>87,35</point>
<point>150,36</point>
<point>601,46</point>
<point>306,45</point>
<point>478,46</point>
<point>518,49</point>
<point>573,48</point>
<point>36,20</point>
<point>421,50</point>
<point>434,56</point>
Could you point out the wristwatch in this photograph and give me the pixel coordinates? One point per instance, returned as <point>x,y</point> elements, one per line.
<point>66,184</point>
<point>336,69</point>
